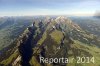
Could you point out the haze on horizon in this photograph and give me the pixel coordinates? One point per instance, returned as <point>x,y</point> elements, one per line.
<point>48,7</point>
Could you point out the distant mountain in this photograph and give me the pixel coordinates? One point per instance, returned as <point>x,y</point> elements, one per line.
<point>11,28</point>
<point>97,15</point>
<point>89,24</point>
<point>53,38</point>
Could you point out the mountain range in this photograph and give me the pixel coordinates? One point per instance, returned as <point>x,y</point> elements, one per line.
<point>50,37</point>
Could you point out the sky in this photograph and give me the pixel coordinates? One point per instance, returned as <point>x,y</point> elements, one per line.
<point>49,7</point>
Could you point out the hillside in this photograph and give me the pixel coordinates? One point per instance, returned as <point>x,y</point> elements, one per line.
<point>54,38</point>
<point>11,28</point>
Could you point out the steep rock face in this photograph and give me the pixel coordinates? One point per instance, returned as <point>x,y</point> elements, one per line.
<point>56,38</point>
<point>25,47</point>
<point>29,41</point>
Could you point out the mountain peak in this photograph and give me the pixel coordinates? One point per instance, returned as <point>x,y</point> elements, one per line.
<point>60,19</point>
